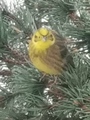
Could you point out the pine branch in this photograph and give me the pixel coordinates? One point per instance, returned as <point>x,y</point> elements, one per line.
<point>10,16</point>
<point>82,106</point>
<point>17,55</point>
<point>5,73</point>
<point>19,58</point>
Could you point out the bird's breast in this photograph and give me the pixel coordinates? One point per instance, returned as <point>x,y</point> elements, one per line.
<point>47,61</point>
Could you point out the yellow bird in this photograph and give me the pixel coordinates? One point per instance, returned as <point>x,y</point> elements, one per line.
<point>48,52</point>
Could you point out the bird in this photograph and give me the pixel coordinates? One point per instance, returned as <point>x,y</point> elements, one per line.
<point>48,52</point>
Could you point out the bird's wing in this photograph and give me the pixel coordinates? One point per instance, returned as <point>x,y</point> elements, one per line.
<point>65,54</point>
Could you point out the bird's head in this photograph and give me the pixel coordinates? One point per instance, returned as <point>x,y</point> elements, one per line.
<point>43,38</point>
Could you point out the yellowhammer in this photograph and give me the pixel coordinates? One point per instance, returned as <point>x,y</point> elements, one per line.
<point>48,52</point>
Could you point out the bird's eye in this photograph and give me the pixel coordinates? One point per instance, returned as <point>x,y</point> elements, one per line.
<point>51,37</point>
<point>35,36</point>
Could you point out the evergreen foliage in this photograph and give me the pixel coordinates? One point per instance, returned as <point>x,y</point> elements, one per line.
<point>23,95</point>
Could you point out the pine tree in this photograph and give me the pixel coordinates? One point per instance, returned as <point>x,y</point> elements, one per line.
<point>23,96</point>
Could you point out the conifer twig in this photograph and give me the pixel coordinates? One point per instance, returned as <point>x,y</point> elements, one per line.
<point>5,72</point>
<point>82,106</point>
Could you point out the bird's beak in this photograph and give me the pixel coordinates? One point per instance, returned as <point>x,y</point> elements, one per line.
<point>44,38</point>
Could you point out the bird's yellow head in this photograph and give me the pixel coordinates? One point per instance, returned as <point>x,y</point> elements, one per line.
<point>43,38</point>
